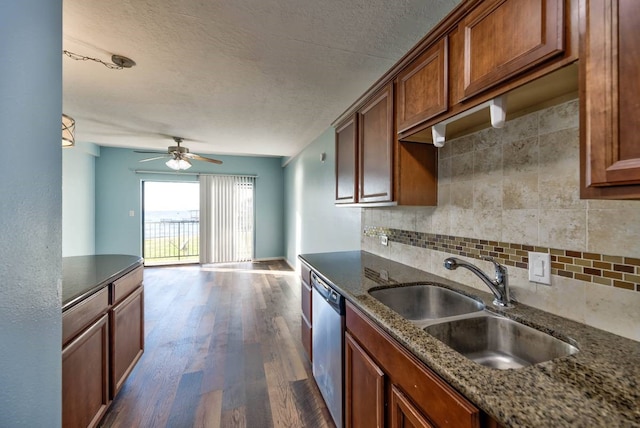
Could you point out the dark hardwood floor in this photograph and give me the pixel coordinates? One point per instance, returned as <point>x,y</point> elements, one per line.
<point>222,349</point>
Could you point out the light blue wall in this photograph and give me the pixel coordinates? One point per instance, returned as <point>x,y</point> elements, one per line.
<point>78,200</point>
<point>313,223</point>
<point>118,191</point>
<point>30,213</point>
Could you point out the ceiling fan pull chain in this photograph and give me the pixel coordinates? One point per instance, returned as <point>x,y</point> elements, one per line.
<point>119,62</point>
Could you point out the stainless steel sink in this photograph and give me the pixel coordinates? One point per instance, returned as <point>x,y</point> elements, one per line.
<point>426,302</point>
<point>498,342</point>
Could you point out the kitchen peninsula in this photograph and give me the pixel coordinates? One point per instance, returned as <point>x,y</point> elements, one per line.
<point>102,332</point>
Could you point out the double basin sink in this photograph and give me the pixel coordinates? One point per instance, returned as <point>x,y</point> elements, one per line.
<point>462,323</point>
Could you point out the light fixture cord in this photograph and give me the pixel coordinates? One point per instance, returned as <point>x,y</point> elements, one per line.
<point>78,57</point>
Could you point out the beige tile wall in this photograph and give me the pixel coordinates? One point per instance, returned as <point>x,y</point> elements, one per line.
<point>520,185</point>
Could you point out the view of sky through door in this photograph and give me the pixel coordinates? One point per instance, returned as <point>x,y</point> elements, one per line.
<point>171,212</point>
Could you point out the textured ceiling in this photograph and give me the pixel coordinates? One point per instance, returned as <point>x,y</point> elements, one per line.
<point>255,77</point>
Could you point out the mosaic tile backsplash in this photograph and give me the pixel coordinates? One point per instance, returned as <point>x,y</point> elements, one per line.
<point>505,192</point>
<point>616,271</point>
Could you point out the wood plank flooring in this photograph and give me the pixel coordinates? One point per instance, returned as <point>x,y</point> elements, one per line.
<point>223,350</point>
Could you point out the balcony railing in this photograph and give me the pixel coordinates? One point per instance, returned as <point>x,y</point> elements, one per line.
<point>171,241</point>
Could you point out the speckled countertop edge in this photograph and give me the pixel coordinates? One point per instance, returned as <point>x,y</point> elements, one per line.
<point>598,386</point>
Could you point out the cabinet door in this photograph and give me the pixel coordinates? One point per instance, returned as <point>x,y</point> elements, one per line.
<point>503,38</point>
<point>422,89</point>
<point>346,161</point>
<point>305,321</point>
<point>364,388</point>
<point>375,147</point>
<point>404,414</point>
<point>443,405</point>
<point>127,337</point>
<point>85,376</point>
<point>609,67</point>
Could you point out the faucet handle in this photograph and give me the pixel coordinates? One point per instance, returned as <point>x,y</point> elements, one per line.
<point>499,267</point>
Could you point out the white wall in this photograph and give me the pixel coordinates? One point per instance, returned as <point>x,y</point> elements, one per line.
<point>313,224</point>
<point>30,213</point>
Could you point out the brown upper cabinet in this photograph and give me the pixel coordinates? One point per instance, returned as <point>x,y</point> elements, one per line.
<point>422,88</point>
<point>609,86</point>
<point>503,38</point>
<point>364,152</point>
<point>481,50</point>
<point>375,146</point>
<point>346,161</point>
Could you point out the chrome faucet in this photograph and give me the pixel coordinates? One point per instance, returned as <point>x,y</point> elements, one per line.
<point>499,286</point>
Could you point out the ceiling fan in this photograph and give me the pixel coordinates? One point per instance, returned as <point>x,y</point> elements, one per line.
<point>180,156</point>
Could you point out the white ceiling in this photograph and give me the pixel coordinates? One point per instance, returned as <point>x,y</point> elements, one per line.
<point>254,77</point>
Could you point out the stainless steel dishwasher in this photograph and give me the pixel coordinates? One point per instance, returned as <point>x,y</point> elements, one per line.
<point>327,340</point>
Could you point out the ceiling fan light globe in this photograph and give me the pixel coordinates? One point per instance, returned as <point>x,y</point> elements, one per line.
<point>178,164</point>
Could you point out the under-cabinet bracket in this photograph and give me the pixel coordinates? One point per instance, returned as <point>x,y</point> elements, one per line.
<point>497,110</point>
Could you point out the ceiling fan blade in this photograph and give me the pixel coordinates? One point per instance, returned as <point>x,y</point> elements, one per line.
<point>147,151</point>
<point>156,158</point>
<point>202,158</point>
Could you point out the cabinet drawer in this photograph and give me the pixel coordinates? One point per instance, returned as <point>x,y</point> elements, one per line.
<point>433,397</point>
<point>122,287</point>
<point>80,316</point>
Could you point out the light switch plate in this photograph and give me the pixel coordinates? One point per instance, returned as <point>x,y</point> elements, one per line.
<point>384,240</point>
<point>540,268</point>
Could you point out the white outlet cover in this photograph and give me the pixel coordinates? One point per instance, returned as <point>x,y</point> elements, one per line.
<point>540,268</point>
<point>384,240</point>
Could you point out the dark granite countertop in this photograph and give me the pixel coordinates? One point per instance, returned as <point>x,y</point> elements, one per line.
<point>597,387</point>
<point>84,275</point>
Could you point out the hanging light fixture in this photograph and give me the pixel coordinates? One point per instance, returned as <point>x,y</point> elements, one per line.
<point>68,131</point>
<point>178,164</point>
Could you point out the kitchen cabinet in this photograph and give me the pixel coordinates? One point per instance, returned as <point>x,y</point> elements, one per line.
<point>306,330</point>
<point>375,145</point>
<point>364,152</point>
<point>407,393</point>
<point>609,87</point>
<point>481,50</point>
<point>404,414</point>
<point>85,376</point>
<point>346,161</point>
<point>127,327</point>
<point>102,333</point>
<point>364,387</point>
<point>503,38</point>
<point>127,338</point>
<point>422,87</point>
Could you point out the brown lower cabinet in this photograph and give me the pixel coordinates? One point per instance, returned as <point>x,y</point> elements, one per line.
<point>306,329</point>
<point>127,338</point>
<point>85,376</point>
<point>102,340</point>
<point>386,386</point>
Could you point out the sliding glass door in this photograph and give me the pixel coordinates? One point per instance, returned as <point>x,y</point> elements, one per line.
<point>227,218</point>
<point>171,222</point>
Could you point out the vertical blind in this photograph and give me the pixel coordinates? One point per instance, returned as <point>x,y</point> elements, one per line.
<point>226,218</point>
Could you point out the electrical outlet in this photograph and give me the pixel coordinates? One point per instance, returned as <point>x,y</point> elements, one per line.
<point>384,240</point>
<point>384,275</point>
<point>540,268</point>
